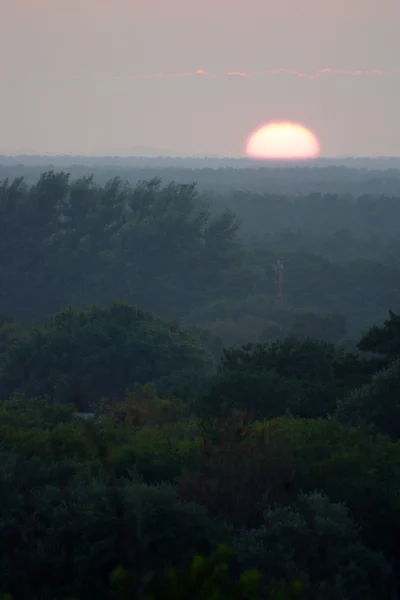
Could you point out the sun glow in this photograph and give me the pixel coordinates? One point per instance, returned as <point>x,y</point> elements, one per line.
<point>280,140</point>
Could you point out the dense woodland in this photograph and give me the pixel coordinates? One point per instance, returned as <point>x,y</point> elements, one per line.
<point>177,423</point>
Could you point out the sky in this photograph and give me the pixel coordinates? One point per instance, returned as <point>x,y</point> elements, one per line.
<point>68,71</point>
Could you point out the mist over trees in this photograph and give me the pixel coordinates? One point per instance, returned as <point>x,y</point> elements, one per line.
<point>199,382</point>
<point>370,176</point>
<point>212,258</point>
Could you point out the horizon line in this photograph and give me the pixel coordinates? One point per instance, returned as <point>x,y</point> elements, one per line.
<point>196,156</point>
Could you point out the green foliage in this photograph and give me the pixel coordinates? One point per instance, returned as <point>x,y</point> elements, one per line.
<point>351,466</point>
<point>315,541</point>
<point>383,340</point>
<point>43,431</point>
<point>68,535</point>
<point>143,406</point>
<point>157,453</point>
<point>80,498</point>
<point>204,578</point>
<point>303,377</point>
<point>376,403</point>
<point>240,472</point>
<point>26,414</point>
<point>207,578</point>
<point>102,352</point>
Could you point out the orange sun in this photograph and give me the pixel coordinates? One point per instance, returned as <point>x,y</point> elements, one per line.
<point>282,140</point>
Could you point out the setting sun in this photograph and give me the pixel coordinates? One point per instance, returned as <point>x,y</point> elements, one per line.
<point>282,140</point>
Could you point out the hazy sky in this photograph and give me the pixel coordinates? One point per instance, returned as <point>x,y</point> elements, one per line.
<point>43,113</point>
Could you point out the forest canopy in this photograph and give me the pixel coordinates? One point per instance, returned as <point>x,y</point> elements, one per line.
<point>199,386</point>
<point>212,258</point>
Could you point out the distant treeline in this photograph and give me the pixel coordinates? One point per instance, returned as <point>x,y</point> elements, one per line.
<point>157,157</point>
<point>208,259</point>
<point>351,176</point>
